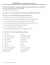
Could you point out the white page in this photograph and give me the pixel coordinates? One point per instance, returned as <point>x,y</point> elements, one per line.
<point>24,32</point>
